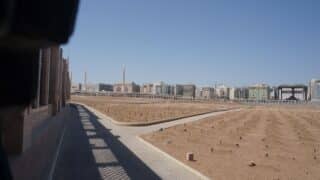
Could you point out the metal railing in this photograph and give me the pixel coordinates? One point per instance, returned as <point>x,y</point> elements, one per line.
<point>189,99</point>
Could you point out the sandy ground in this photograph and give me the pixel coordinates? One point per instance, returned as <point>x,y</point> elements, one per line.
<point>283,143</point>
<point>146,110</point>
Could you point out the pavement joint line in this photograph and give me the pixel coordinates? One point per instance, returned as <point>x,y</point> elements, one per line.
<point>196,172</point>
<point>56,156</point>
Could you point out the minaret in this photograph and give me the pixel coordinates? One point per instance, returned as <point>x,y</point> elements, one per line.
<point>124,75</point>
<point>85,81</point>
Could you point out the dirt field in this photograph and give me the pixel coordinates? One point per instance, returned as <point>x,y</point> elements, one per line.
<point>283,143</point>
<point>146,110</point>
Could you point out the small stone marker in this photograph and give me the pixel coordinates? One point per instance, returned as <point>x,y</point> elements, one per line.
<point>238,145</point>
<point>161,129</point>
<point>252,164</point>
<point>190,156</point>
<point>267,154</point>
<point>240,137</point>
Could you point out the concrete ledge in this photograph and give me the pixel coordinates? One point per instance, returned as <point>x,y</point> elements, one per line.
<point>147,123</point>
<point>199,174</point>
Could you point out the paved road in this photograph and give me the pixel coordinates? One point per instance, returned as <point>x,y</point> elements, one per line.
<point>94,148</point>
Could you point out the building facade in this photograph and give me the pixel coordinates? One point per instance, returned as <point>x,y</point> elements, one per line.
<point>185,90</point>
<point>171,90</point>
<point>178,90</point>
<point>234,93</point>
<point>160,88</point>
<point>238,93</point>
<point>126,88</point>
<point>293,92</point>
<point>259,92</point>
<point>244,93</point>
<point>207,93</point>
<point>146,88</point>
<point>222,91</point>
<point>105,87</point>
<point>314,90</point>
<point>274,93</point>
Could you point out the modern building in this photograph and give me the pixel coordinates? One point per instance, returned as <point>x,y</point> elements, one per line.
<point>293,92</point>
<point>160,88</point>
<point>178,90</point>
<point>222,91</point>
<point>314,90</point>
<point>207,93</point>
<point>238,93</point>
<point>274,93</point>
<point>146,88</point>
<point>234,93</point>
<point>259,92</point>
<point>171,90</point>
<point>105,87</point>
<point>185,90</point>
<point>198,92</point>
<point>126,88</point>
<point>244,93</point>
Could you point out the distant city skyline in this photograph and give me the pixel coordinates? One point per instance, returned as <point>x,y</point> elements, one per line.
<point>212,42</point>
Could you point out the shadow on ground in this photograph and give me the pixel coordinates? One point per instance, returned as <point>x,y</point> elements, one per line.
<point>90,151</point>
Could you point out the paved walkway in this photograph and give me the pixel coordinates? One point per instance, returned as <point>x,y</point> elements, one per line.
<point>94,148</point>
<point>89,151</point>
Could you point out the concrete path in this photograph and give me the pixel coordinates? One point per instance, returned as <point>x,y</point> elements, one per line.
<point>89,151</point>
<point>163,166</point>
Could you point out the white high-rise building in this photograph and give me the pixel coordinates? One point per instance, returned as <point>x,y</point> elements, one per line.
<point>314,90</point>
<point>222,91</point>
<point>205,92</point>
<point>158,88</point>
<point>238,93</point>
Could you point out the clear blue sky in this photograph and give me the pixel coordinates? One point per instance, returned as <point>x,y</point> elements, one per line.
<point>239,42</point>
